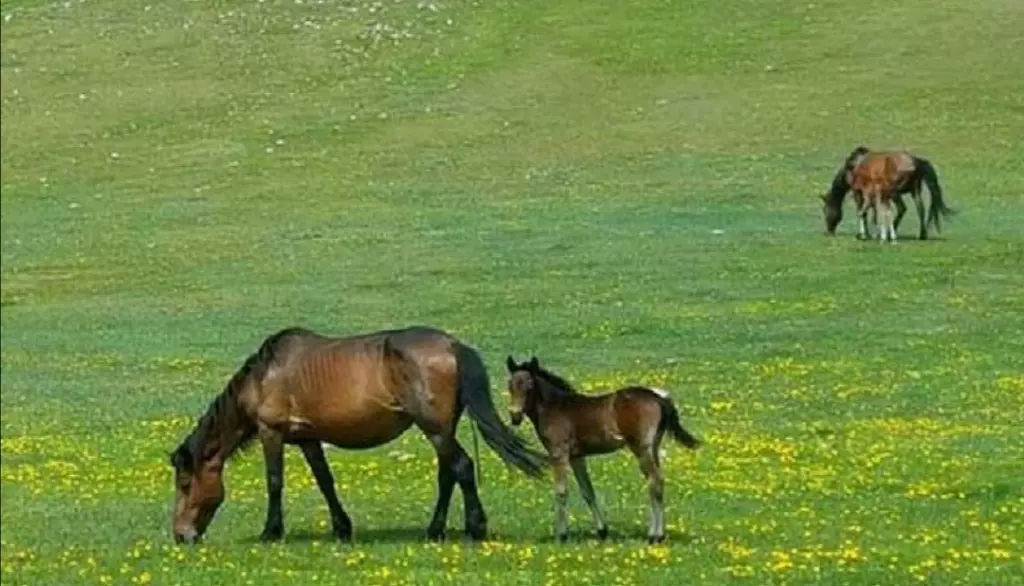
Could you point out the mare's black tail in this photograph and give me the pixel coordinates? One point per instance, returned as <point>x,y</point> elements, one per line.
<point>475,393</point>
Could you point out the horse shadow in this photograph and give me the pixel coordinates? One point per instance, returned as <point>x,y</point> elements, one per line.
<point>380,535</point>
<point>359,536</point>
<point>405,535</point>
<point>636,535</point>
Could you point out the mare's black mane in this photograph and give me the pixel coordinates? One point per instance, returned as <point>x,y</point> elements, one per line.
<point>223,426</point>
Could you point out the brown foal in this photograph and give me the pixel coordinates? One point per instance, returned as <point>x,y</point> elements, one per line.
<point>573,426</point>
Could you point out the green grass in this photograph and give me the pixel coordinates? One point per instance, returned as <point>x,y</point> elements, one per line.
<point>180,180</point>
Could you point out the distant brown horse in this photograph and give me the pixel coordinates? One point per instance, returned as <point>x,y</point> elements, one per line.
<point>573,426</point>
<point>913,173</point>
<point>355,392</point>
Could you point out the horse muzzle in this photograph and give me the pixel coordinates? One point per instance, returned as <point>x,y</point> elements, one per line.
<point>188,536</point>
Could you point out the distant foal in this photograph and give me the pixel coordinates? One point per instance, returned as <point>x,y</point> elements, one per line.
<point>876,178</point>
<point>573,426</point>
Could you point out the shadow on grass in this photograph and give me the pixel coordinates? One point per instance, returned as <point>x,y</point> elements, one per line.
<point>399,535</point>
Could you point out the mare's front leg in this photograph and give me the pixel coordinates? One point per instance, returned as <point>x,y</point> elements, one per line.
<point>579,468</point>
<point>560,467</point>
<point>341,524</point>
<point>273,456</point>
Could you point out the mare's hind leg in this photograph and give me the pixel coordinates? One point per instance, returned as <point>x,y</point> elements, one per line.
<point>454,465</point>
<point>579,468</point>
<point>656,489</point>
<point>341,524</point>
<point>273,456</point>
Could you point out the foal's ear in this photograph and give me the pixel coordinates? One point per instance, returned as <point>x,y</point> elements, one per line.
<point>510,364</point>
<point>534,363</point>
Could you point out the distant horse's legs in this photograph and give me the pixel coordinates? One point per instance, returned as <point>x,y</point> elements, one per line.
<point>901,208</point>
<point>341,524</point>
<point>888,232</point>
<point>579,468</point>
<point>561,475</point>
<point>273,456</point>
<point>862,214</point>
<point>454,465</point>
<point>862,226</point>
<point>656,489</point>
<point>922,233</point>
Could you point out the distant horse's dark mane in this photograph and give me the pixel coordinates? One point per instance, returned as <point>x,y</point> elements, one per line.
<point>223,422</point>
<point>837,191</point>
<point>559,383</point>
<point>860,150</point>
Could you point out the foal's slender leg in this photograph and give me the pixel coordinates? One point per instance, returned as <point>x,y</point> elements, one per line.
<point>888,228</point>
<point>862,226</point>
<point>656,490</point>
<point>273,456</point>
<point>883,232</point>
<point>579,468</point>
<point>863,202</point>
<point>341,524</point>
<point>561,476</point>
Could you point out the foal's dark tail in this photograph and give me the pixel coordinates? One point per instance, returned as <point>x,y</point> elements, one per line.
<point>670,421</point>
<point>475,393</point>
<point>938,207</point>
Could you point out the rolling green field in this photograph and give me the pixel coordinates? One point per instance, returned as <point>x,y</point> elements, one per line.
<point>627,190</point>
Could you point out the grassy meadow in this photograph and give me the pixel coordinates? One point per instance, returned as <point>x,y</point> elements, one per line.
<point>627,190</point>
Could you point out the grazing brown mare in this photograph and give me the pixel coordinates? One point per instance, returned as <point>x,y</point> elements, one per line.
<point>914,172</point>
<point>573,426</point>
<point>355,392</point>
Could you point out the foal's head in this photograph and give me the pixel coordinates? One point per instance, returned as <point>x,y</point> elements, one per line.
<point>522,387</point>
<point>199,491</point>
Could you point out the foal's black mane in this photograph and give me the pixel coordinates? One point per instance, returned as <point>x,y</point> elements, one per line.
<point>839,186</point>
<point>558,383</point>
<point>224,426</point>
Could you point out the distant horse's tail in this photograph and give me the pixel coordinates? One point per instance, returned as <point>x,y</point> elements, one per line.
<point>475,393</point>
<point>670,421</point>
<point>938,207</point>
